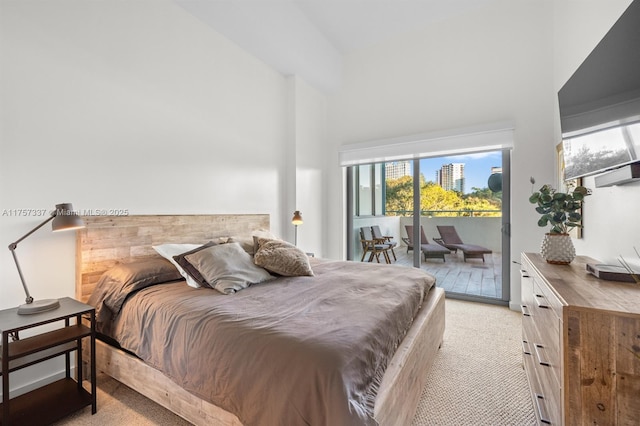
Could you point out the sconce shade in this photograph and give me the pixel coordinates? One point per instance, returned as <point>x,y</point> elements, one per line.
<point>297,218</point>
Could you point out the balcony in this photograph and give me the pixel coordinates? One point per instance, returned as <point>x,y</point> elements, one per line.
<point>471,278</point>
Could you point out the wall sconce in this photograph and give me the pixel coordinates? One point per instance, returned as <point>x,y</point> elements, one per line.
<point>296,220</point>
<point>64,218</point>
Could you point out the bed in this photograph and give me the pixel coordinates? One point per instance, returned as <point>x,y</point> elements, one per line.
<point>391,395</point>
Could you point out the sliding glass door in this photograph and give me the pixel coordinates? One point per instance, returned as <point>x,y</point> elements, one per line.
<point>467,193</point>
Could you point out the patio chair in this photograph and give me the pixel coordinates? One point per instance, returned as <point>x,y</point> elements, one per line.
<point>384,239</point>
<point>430,251</point>
<point>372,246</point>
<point>450,239</point>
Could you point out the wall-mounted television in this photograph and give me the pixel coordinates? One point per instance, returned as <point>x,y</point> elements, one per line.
<point>600,103</point>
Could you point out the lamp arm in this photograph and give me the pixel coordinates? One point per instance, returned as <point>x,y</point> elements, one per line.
<point>14,246</point>
<point>29,299</point>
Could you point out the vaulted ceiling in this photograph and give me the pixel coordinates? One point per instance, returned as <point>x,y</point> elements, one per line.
<point>309,37</point>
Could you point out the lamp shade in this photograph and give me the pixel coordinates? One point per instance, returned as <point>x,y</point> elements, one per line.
<point>297,218</point>
<point>65,218</point>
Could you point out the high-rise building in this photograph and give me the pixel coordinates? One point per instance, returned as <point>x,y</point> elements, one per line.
<point>397,169</point>
<point>451,177</point>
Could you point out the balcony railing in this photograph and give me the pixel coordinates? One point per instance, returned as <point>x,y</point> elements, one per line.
<point>472,228</point>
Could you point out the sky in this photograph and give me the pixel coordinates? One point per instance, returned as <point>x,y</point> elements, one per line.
<point>477,167</point>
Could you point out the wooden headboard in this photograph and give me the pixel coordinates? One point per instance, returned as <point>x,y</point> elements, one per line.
<point>108,240</point>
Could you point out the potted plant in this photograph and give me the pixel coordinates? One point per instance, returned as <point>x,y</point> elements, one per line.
<point>561,211</point>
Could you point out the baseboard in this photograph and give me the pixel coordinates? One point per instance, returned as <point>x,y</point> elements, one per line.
<point>515,306</point>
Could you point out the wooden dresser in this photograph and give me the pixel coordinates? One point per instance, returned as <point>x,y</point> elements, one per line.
<point>581,344</point>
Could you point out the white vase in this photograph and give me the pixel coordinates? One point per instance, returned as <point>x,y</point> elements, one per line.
<point>558,249</point>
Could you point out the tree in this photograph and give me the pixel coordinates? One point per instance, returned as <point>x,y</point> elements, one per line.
<point>399,196</point>
<point>437,201</point>
<point>485,193</point>
<point>435,198</point>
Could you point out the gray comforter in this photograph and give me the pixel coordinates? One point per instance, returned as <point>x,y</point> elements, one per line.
<point>292,351</point>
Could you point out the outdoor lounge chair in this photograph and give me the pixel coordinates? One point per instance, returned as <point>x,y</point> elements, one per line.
<point>384,239</point>
<point>372,246</point>
<point>451,240</point>
<point>430,251</point>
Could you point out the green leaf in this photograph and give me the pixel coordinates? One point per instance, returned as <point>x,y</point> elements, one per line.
<point>559,217</point>
<point>575,217</point>
<point>581,190</point>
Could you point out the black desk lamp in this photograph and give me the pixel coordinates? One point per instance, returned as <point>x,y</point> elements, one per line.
<point>296,220</point>
<point>64,218</point>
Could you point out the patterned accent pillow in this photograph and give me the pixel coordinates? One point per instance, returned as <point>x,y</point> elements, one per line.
<point>282,258</point>
<point>247,241</point>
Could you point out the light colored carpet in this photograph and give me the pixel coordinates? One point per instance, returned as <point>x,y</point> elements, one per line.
<point>477,379</point>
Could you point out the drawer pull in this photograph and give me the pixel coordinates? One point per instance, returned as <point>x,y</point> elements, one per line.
<point>539,302</point>
<point>541,360</point>
<point>542,409</point>
<point>525,310</point>
<point>524,274</point>
<point>526,349</point>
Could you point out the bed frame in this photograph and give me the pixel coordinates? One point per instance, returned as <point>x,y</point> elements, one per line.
<point>107,240</point>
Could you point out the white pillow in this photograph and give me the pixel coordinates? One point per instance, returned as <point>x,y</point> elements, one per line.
<point>169,250</point>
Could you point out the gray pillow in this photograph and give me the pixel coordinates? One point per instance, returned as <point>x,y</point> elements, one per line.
<point>282,258</point>
<point>227,268</point>
<point>188,268</point>
<point>123,279</point>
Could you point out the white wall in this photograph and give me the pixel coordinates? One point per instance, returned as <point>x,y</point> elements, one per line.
<point>611,225</point>
<point>308,121</point>
<point>128,105</point>
<point>492,65</point>
<point>132,106</point>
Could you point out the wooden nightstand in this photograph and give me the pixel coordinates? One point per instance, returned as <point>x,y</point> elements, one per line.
<point>54,401</point>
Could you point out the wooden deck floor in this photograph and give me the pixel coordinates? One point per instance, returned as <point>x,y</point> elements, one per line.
<point>472,277</point>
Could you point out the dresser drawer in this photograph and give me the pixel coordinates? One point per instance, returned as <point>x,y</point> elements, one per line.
<point>529,333</point>
<point>545,342</point>
<point>547,322</point>
<point>550,300</point>
<point>544,392</point>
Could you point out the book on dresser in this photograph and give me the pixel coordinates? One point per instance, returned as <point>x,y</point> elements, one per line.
<point>581,344</point>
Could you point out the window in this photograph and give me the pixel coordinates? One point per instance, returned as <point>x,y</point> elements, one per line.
<point>369,190</point>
